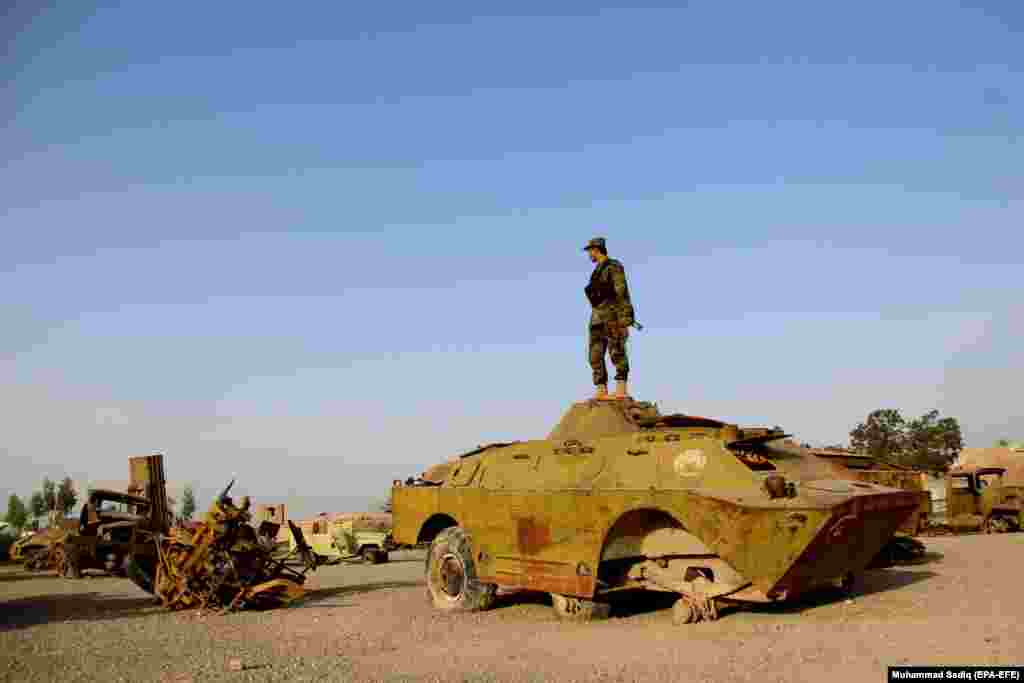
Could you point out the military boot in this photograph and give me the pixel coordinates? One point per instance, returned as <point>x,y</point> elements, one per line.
<point>602,393</point>
<point>621,394</point>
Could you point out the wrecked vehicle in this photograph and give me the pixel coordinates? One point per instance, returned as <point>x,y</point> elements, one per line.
<point>223,563</point>
<point>39,551</point>
<point>619,497</point>
<point>978,499</point>
<point>349,537</point>
<point>115,526</point>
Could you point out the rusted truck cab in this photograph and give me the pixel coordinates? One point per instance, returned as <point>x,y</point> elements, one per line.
<point>620,497</point>
<point>117,526</point>
<point>981,492</point>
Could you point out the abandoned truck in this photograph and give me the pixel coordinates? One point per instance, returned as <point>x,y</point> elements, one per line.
<point>980,493</point>
<point>620,497</point>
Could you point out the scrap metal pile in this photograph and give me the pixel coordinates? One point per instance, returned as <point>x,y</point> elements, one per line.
<point>224,563</point>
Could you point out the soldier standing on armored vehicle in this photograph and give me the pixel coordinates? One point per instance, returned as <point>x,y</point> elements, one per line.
<point>610,320</point>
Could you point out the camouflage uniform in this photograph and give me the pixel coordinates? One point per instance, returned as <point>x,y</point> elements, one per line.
<point>610,320</point>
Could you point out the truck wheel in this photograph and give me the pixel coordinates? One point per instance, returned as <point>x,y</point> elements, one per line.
<point>571,608</point>
<point>139,576</point>
<point>368,555</point>
<point>380,557</point>
<point>452,583</point>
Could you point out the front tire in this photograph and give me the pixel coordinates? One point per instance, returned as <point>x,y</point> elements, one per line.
<point>452,581</point>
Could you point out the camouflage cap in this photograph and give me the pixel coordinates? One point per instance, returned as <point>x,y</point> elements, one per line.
<point>596,243</point>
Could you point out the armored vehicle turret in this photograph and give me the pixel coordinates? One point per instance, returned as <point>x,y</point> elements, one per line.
<point>619,497</point>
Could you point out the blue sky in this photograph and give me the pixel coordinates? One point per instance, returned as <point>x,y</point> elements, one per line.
<point>324,247</point>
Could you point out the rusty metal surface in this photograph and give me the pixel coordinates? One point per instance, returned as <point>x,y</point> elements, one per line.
<point>980,493</point>
<point>907,480</point>
<point>560,514</point>
<point>223,563</point>
<point>107,539</point>
<point>1010,458</point>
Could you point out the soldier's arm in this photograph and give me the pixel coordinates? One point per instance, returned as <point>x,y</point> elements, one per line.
<point>625,306</point>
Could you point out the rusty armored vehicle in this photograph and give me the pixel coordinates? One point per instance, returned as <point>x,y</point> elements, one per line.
<point>620,497</point>
<point>978,497</point>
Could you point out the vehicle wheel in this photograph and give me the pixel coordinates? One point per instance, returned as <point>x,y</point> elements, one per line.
<point>991,526</point>
<point>683,612</point>
<point>380,557</point>
<point>452,583</point>
<point>35,560</point>
<point>139,576</point>
<point>72,566</point>
<point>579,609</point>
<point>368,555</point>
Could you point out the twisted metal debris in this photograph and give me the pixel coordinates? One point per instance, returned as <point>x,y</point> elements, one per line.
<point>224,563</point>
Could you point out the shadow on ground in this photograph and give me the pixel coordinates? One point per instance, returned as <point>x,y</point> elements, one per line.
<point>405,560</point>
<point>929,557</point>
<point>318,598</point>
<point>889,579</point>
<point>636,603</point>
<point>72,607</point>
<point>26,576</point>
<point>874,581</point>
<point>516,598</point>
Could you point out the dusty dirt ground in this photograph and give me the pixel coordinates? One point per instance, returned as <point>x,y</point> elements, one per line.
<point>372,623</point>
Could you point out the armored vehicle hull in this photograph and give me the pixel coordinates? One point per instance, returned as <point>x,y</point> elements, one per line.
<point>620,497</point>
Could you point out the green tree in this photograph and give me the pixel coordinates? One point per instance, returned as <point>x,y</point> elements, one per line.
<point>17,513</point>
<point>188,504</point>
<point>929,442</point>
<point>49,492</point>
<point>67,496</point>
<point>881,435</point>
<point>932,442</point>
<point>37,505</point>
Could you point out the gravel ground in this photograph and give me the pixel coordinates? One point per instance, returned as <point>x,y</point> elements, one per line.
<point>372,623</point>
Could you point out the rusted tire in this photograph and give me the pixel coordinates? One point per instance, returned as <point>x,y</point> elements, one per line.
<point>36,560</point>
<point>571,608</point>
<point>452,581</point>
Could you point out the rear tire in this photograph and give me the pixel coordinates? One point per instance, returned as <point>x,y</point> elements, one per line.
<point>452,581</point>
